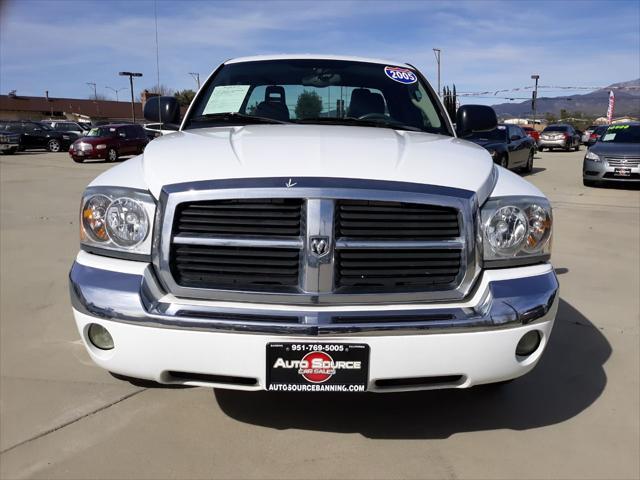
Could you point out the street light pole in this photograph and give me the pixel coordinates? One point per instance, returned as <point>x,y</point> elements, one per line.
<point>534,98</point>
<point>131,75</point>
<point>115,90</point>
<point>196,77</point>
<point>436,52</point>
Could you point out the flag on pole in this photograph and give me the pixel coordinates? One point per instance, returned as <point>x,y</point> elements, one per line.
<point>612,105</point>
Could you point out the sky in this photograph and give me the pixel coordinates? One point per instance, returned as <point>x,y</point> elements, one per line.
<point>60,46</point>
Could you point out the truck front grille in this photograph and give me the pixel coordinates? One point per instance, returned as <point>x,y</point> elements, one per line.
<point>331,245</point>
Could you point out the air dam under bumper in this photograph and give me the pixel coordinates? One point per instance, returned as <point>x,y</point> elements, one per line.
<point>215,344</point>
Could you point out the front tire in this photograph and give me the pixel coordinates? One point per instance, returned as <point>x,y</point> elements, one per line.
<point>11,151</point>
<point>54,145</point>
<point>112,155</point>
<point>504,162</point>
<point>578,147</point>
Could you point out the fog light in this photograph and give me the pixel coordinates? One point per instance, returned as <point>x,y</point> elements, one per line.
<point>528,344</point>
<point>100,337</point>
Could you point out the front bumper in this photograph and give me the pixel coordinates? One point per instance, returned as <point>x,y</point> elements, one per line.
<point>603,172</point>
<point>9,146</point>
<point>221,344</point>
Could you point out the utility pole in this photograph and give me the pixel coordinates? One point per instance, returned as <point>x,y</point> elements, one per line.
<point>436,52</point>
<point>115,90</point>
<point>534,98</point>
<point>131,75</point>
<point>196,77</point>
<point>95,93</point>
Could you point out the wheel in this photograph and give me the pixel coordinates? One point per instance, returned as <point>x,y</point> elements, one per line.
<point>589,183</point>
<point>578,147</point>
<point>528,168</point>
<point>504,161</point>
<point>11,151</point>
<point>540,149</point>
<point>112,155</point>
<point>53,145</point>
<point>568,147</point>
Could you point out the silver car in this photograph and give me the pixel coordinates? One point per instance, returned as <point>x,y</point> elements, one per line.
<point>615,157</point>
<point>559,136</point>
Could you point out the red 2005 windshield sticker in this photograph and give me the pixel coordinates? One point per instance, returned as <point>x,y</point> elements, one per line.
<point>402,75</point>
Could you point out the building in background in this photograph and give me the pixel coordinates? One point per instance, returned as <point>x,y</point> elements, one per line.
<point>15,107</point>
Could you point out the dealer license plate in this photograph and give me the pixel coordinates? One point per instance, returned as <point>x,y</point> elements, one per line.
<point>317,367</point>
<point>622,172</point>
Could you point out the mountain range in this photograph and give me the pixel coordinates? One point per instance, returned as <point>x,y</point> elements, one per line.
<point>591,104</point>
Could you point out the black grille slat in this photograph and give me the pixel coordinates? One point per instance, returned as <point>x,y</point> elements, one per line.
<point>243,268</point>
<point>395,220</point>
<point>241,217</point>
<point>397,269</point>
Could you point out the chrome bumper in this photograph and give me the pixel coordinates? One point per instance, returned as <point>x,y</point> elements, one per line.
<point>139,300</point>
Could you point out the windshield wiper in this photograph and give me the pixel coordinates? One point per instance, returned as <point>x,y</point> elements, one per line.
<point>381,123</point>
<point>233,118</point>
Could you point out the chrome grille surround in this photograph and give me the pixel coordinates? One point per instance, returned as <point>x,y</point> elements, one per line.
<point>316,281</point>
<point>623,162</point>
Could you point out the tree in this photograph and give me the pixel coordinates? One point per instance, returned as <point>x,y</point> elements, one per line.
<point>450,101</point>
<point>309,105</point>
<point>161,89</point>
<point>184,97</point>
<point>550,117</point>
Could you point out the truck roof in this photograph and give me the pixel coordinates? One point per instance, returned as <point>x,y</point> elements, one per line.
<point>315,56</point>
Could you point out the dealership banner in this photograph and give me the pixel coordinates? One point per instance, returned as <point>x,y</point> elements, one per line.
<point>612,104</point>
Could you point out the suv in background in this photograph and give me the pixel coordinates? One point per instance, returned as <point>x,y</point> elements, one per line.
<point>110,142</point>
<point>9,143</point>
<point>559,136</point>
<point>35,135</point>
<point>66,126</point>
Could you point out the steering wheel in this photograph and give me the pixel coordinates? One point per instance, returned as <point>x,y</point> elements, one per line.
<point>374,116</point>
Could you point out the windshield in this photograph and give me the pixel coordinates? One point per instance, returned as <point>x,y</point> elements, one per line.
<point>498,134</point>
<point>102,132</point>
<point>622,134</point>
<point>556,128</point>
<point>317,91</point>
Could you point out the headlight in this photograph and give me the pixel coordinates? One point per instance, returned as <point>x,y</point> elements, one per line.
<point>516,231</point>
<point>102,146</point>
<point>592,156</point>
<point>114,219</point>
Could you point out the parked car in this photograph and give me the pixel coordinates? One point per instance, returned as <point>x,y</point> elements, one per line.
<point>109,142</point>
<point>34,135</point>
<point>559,136</point>
<point>615,157</point>
<point>9,142</point>
<point>587,134</point>
<point>508,145</point>
<point>350,249</point>
<point>533,133</point>
<point>67,126</point>
<point>596,134</point>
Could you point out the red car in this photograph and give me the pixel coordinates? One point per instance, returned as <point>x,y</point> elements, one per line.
<point>533,133</point>
<point>109,142</point>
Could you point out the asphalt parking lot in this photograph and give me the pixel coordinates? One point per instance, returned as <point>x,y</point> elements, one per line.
<point>575,416</point>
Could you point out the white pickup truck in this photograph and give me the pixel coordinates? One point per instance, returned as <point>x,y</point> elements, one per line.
<point>315,224</point>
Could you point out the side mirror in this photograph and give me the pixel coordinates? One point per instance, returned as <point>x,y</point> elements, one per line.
<point>163,110</point>
<point>475,118</point>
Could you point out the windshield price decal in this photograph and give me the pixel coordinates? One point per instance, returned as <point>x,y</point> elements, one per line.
<point>402,75</point>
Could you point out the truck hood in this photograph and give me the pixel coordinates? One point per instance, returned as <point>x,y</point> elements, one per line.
<point>294,151</point>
